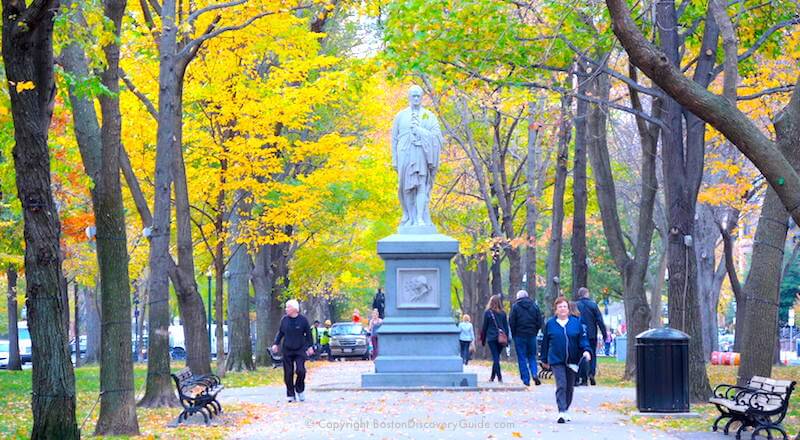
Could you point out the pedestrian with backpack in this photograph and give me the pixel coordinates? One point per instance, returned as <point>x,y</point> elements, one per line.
<point>525,322</point>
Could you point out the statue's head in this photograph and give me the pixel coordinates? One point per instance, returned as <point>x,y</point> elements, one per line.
<point>415,96</point>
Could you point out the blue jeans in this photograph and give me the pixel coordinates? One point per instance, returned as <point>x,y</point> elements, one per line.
<point>465,351</point>
<point>526,357</point>
<point>494,347</point>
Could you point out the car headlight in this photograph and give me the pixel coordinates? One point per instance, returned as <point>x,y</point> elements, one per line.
<point>334,342</point>
<point>361,341</point>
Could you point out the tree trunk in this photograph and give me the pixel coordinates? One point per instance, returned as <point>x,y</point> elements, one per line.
<point>531,202</point>
<point>473,271</point>
<point>709,277</point>
<point>763,281</point>
<point>658,288</point>
<point>580,268</point>
<point>159,392</point>
<point>262,286</point>
<point>681,182</point>
<point>144,300</point>
<point>240,355</point>
<point>632,270</point>
<point>93,332</point>
<point>553,288</point>
<point>77,327</point>
<point>14,362</point>
<point>190,303</point>
<point>219,300</point>
<point>28,58</point>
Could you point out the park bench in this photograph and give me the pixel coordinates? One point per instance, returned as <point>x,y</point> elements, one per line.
<point>761,404</point>
<point>198,394</point>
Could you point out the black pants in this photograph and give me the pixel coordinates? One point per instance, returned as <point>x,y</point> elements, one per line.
<point>588,369</point>
<point>465,351</point>
<point>294,361</point>
<point>565,385</point>
<point>495,348</point>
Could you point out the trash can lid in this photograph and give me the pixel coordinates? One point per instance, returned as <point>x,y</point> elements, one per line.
<point>662,334</point>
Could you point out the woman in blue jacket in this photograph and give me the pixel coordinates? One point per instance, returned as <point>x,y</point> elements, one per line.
<point>563,345</point>
<point>494,323</point>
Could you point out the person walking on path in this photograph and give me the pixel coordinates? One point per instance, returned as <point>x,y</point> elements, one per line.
<point>315,337</point>
<point>295,335</point>
<point>495,333</point>
<point>564,343</point>
<point>525,321</point>
<point>325,339</point>
<point>374,324</point>
<point>593,319</point>
<point>467,337</point>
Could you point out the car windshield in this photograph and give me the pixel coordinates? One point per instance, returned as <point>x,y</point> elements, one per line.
<point>341,330</point>
<point>23,333</point>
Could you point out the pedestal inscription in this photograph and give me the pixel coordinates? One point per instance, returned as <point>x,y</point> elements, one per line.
<point>418,288</point>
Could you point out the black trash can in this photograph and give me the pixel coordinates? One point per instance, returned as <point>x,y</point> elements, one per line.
<point>662,371</point>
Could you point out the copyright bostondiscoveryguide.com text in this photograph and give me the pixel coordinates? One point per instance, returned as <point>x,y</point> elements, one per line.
<point>370,424</point>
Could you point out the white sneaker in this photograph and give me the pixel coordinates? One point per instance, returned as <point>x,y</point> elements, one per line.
<point>301,396</point>
<point>290,399</point>
<point>561,418</point>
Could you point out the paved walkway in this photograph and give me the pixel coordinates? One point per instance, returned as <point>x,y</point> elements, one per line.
<point>495,414</point>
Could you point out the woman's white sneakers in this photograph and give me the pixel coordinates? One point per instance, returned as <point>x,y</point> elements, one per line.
<point>564,417</point>
<point>290,399</point>
<point>301,396</point>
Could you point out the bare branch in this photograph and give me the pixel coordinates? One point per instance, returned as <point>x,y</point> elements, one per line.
<point>194,45</point>
<point>196,14</point>
<point>780,89</point>
<point>142,97</point>
<point>760,42</point>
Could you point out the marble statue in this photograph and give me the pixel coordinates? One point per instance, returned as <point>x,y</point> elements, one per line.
<point>416,144</point>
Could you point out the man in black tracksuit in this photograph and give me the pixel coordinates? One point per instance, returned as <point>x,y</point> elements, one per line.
<point>295,333</point>
<point>592,319</point>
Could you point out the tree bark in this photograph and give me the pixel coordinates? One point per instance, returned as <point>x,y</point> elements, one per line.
<point>531,202</point>
<point>93,332</point>
<point>77,327</point>
<point>553,287</point>
<point>658,287</point>
<point>762,288</point>
<point>709,277</point>
<point>633,270</point>
<point>738,292</point>
<point>580,269</point>
<point>240,355</point>
<point>192,311</point>
<point>682,173</point>
<point>100,148</point>
<point>28,58</point>
<point>158,391</point>
<point>14,362</point>
<point>262,286</point>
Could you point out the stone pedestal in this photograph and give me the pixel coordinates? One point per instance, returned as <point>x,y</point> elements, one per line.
<point>418,341</point>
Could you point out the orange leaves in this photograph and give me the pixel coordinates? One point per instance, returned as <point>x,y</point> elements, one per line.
<point>75,225</point>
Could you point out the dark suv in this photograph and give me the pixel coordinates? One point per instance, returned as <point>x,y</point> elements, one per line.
<point>349,339</point>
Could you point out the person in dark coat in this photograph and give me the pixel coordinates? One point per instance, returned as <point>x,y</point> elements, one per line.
<point>379,302</point>
<point>593,320</point>
<point>295,335</point>
<point>525,321</point>
<point>564,345</point>
<point>494,322</point>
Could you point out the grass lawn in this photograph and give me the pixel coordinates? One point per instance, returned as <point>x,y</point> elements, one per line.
<point>16,418</point>
<point>609,373</point>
